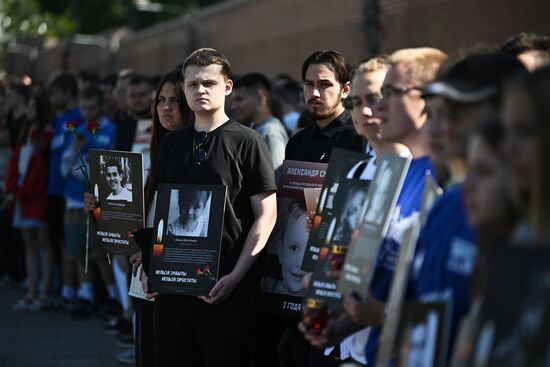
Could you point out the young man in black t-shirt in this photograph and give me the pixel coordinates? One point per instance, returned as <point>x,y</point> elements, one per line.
<point>216,330</point>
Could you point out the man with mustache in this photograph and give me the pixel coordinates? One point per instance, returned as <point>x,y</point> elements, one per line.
<point>326,76</point>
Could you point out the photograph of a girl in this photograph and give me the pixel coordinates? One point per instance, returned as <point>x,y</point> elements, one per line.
<point>189,213</point>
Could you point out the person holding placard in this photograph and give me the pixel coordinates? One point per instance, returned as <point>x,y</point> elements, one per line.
<point>369,123</point>
<point>447,246</point>
<point>217,329</point>
<point>90,102</point>
<point>402,119</point>
<point>326,76</point>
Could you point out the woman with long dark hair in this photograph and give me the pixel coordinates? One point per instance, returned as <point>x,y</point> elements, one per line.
<point>170,113</point>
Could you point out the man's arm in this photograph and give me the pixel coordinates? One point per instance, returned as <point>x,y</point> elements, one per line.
<point>264,206</point>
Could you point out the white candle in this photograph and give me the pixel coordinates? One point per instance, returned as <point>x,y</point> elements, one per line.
<point>159,232</point>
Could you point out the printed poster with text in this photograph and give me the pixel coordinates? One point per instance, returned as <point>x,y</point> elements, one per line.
<point>282,278</point>
<point>344,164</point>
<point>116,179</point>
<point>187,239</point>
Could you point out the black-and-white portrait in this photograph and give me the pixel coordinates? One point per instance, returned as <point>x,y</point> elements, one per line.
<point>375,211</point>
<point>288,241</point>
<point>351,209</point>
<point>116,172</point>
<point>189,212</point>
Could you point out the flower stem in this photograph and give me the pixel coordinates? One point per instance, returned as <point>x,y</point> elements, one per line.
<point>87,241</point>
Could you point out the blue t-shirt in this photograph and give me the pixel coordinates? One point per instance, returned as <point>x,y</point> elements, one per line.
<point>405,215</point>
<point>445,257</point>
<point>59,142</point>
<point>75,186</point>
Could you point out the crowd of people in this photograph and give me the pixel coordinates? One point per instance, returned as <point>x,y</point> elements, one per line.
<point>473,120</point>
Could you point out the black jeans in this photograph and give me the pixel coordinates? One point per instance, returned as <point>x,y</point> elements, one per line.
<point>145,338</point>
<point>190,332</point>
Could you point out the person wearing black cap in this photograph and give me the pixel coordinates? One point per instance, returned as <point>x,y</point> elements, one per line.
<point>446,249</point>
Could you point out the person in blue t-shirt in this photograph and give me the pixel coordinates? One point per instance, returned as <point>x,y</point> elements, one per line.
<point>402,114</point>
<point>90,102</point>
<point>446,251</point>
<point>63,94</point>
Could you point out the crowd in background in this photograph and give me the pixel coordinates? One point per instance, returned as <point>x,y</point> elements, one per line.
<point>476,118</point>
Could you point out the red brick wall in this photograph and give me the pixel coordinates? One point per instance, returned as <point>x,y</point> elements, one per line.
<point>275,36</point>
<point>451,24</point>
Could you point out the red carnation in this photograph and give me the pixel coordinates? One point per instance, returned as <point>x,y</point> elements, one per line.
<point>71,125</point>
<point>93,126</point>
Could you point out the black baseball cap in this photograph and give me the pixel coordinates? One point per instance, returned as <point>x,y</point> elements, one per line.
<point>475,78</point>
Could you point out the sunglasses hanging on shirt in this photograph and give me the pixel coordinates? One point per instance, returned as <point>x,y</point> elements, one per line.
<point>199,154</point>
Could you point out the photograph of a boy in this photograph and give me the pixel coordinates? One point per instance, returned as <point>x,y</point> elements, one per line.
<point>190,218</point>
<point>117,180</point>
<point>290,247</point>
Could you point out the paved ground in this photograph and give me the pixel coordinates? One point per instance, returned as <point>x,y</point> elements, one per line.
<point>52,338</point>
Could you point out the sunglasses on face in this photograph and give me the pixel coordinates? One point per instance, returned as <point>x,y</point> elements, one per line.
<point>390,90</point>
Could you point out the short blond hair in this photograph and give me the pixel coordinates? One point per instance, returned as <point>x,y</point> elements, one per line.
<point>423,63</point>
<point>371,65</point>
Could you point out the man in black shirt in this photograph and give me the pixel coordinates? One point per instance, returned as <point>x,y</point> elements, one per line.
<point>216,330</point>
<point>326,76</point>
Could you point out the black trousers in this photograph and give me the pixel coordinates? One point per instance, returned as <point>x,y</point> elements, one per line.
<point>145,336</point>
<point>190,332</point>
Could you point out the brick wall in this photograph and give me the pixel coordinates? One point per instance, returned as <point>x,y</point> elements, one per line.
<point>275,36</point>
<point>451,24</point>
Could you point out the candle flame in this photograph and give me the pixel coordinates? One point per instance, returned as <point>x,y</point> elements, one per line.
<point>96,191</point>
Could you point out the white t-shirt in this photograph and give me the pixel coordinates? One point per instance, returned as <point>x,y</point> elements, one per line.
<point>125,195</point>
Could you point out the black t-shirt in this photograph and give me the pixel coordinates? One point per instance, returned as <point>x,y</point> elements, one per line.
<point>313,144</point>
<point>237,157</point>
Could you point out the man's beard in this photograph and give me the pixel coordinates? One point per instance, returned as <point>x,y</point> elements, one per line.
<point>321,112</point>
